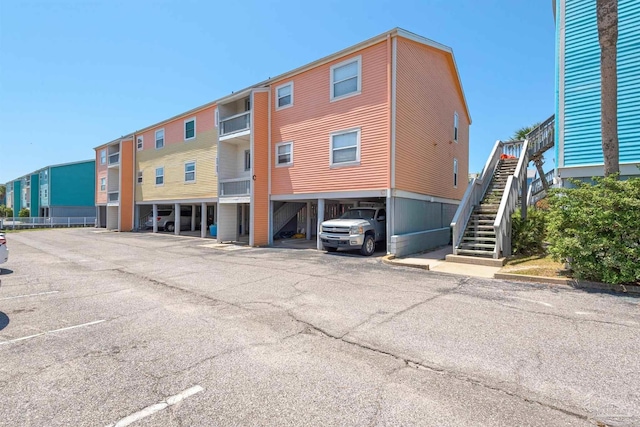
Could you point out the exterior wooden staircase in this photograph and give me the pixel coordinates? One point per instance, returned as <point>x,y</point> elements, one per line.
<point>479,238</point>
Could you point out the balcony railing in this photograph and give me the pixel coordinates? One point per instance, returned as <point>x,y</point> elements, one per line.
<point>237,123</point>
<point>235,187</point>
<point>114,159</point>
<point>113,196</point>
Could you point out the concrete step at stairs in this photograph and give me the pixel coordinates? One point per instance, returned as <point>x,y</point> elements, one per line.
<point>472,252</point>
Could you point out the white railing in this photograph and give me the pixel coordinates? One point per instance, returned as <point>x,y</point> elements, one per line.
<point>473,195</point>
<point>237,123</point>
<point>235,187</point>
<point>509,202</point>
<point>542,137</point>
<point>46,222</point>
<point>114,159</point>
<point>512,148</point>
<point>113,197</point>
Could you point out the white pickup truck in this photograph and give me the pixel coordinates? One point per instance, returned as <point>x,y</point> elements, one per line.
<point>357,228</point>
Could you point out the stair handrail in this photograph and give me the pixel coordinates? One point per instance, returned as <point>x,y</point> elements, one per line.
<point>542,136</point>
<point>473,195</point>
<point>509,203</point>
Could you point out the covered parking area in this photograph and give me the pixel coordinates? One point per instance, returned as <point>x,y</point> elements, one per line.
<point>183,217</point>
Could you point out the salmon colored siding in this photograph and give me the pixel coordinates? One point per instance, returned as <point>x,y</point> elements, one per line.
<point>312,118</point>
<point>260,165</point>
<point>173,156</point>
<point>427,95</point>
<point>101,172</point>
<point>126,185</point>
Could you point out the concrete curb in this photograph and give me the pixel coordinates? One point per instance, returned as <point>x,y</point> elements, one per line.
<point>391,260</point>
<point>576,284</point>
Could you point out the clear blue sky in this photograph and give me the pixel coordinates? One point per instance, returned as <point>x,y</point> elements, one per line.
<point>78,73</point>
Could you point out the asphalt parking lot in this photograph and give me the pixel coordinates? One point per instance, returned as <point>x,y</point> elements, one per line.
<point>100,329</point>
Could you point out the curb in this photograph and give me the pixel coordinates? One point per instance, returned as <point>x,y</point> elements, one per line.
<point>389,260</point>
<point>576,284</point>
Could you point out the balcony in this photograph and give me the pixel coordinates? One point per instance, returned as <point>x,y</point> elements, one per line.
<point>113,197</point>
<point>114,159</point>
<point>235,187</point>
<point>239,124</point>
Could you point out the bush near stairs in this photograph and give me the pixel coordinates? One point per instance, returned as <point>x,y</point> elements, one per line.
<point>597,227</point>
<point>528,235</point>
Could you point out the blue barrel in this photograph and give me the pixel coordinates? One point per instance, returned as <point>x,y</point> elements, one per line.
<point>213,230</point>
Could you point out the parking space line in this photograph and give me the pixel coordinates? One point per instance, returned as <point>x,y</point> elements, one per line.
<point>150,410</point>
<point>95,322</point>
<point>30,295</point>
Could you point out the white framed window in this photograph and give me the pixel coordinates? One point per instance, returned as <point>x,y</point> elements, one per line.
<point>103,157</point>
<point>159,138</point>
<point>345,147</point>
<point>247,104</point>
<point>189,128</point>
<point>140,142</point>
<point>284,96</point>
<point>216,117</point>
<point>247,160</point>
<point>455,173</point>
<point>346,78</point>
<point>284,154</point>
<point>139,179</point>
<point>455,126</point>
<point>160,176</point>
<point>103,184</point>
<point>190,171</point>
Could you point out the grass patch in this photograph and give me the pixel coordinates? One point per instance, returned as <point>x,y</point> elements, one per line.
<point>537,265</point>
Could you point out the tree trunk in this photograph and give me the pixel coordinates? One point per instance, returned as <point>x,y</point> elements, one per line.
<point>607,12</point>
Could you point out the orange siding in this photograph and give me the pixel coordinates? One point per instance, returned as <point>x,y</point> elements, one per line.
<point>260,227</point>
<point>101,172</point>
<point>428,93</point>
<point>126,185</point>
<point>312,118</point>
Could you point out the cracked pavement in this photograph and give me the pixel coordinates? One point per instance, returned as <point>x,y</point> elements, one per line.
<point>287,337</point>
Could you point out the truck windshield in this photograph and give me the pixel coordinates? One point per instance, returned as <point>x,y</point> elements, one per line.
<point>359,214</point>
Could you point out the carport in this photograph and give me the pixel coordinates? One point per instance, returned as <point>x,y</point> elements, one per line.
<point>199,216</point>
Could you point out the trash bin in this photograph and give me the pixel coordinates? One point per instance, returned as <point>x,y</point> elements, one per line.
<point>213,230</point>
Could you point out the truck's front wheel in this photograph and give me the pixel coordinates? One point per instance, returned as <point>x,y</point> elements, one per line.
<point>369,245</point>
<point>330,249</point>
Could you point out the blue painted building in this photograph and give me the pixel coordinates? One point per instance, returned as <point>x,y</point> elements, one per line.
<point>66,190</point>
<point>578,138</point>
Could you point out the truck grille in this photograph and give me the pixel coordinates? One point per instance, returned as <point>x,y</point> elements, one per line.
<point>336,230</point>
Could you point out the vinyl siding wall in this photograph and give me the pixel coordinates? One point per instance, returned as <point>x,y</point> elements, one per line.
<point>313,117</point>
<point>427,95</point>
<point>101,172</point>
<point>260,169</point>
<point>173,156</point>
<point>582,133</point>
<point>72,185</point>
<point>126,185</point>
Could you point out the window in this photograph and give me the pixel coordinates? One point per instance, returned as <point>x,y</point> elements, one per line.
<point>284,95</point>
<point>159,138</point>
<point>103,184</point>
<point>455,173</point>
<point>284,154</point>
<point>345,78</point>
<point>455,127</point>
<point>103,157</point>
<point>247,104</point>
<point>140,142</point>
<point>46,193</point>
<point>139,177</point>
<point>190,129</point>
<point>345,147</point>
<point>190,172</point>
<point>160,176</point>
<point>247,160</point>
<point>216,117</point>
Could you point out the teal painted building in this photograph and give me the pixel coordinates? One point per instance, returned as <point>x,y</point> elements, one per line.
<point>578,139</point>
<point>65,190</point>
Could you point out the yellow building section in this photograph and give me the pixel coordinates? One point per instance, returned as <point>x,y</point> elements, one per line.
<point>178,180</point>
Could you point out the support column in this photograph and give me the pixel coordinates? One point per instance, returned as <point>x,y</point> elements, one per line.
<point>193,217</point>
<point>309,233</point>
<point>243,216</point>
<point>177,220</point>
<point>155,218</point>
<point>320,219</point>
<point>390,208</point>
<point>97,215</point>
<point>203,220</point>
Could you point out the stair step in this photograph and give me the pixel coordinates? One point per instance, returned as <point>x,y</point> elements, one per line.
<point>472,252</point>
<point>466,245</point>
<point>478,239</point>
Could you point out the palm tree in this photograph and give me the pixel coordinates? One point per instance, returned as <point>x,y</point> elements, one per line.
<point>607,13</point>
<point>521,133</point>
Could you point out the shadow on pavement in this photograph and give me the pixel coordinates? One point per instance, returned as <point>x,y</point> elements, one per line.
<point>4,320</point>
<point>4,271</point>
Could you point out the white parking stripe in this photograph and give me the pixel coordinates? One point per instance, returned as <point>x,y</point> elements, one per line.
<point>30,295</point>
<point>546,304</point>
<point>95,322</point>
<point>150,410</point>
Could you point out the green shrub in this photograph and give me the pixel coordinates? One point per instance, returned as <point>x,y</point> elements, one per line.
<point>596,227</point>
<point>5,211</point>
<point>527,236</point>
<point>24,213</point>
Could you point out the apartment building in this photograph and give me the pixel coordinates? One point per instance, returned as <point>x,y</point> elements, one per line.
<point>114,184</point>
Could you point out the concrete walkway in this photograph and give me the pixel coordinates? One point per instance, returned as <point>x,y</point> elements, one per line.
<point>435,261</point>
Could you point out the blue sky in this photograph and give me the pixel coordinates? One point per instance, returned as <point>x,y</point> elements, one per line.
<point>78,73</point>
